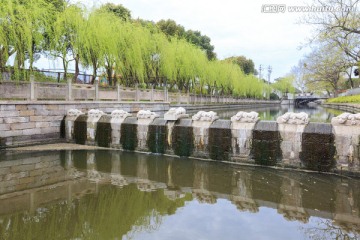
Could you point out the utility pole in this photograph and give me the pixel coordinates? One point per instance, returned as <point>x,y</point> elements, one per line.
<point>269,73</point>
<point>260,72</point>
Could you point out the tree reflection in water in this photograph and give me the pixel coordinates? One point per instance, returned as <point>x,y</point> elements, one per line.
<point>325,230</point>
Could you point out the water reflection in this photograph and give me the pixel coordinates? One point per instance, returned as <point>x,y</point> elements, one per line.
<point>114,195</point>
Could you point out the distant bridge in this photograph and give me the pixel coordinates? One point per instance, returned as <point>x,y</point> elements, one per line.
<point>303,100</point>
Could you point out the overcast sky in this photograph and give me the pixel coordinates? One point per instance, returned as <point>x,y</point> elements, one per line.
<point>235,27</point>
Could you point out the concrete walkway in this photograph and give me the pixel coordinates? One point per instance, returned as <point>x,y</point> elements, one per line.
<point>57,147</point>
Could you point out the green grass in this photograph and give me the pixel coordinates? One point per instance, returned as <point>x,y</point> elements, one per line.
<point>346,99</point>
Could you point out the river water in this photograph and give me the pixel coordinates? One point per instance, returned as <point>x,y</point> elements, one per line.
<point>316,113</point>
<point>121,195</point>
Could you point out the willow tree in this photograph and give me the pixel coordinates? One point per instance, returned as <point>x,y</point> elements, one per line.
<point>130,58</point>
<point>111,40</point>
<point>285,84</point>
<point>153,56</point>
<point>64,39</point>
<point>30,20</point>
<point>93,43</point>
<point>6,36</point>
<point>23,27</point>
<point>182,63</point>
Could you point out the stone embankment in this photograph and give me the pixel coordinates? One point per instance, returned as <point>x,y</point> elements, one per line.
<point>291,141</point>
<point>36,122</point>
<point>28,123</point>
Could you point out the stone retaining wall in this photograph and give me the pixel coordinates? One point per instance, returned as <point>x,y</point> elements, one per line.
<point>291,141</point>
<point>24,123</point>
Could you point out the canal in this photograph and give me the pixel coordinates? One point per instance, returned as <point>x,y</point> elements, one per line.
<point>101,194</point>
<point>109,194</point>
<point>316,113</point>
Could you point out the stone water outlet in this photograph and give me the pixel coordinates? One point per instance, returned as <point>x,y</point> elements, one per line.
<point>291,141</point>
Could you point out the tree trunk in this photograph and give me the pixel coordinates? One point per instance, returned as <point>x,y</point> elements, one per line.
<point>77,59</point>
<point>65,66</point>
<point>109,74</point>
<point>94,65</point>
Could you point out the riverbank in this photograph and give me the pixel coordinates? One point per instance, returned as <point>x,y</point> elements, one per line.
<point>25,123</point>
<point>347,107</point>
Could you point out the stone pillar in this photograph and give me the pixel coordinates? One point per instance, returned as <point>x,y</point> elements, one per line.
<point>242,125</point>
<point>94,116</point>
<point>136,93</point>
<point>71,116</point>
<point>201,124</point>
<point>118,92</point>
<point>166,94</point>
<point>117,118</point>
<point>188,97</point>
<point>291,128</point>
<point>96,82</point>
<point>145,118</point>
<point>347,140</point>
<point>69,90</point>
<point>152,93</point>
<point>32,88</point>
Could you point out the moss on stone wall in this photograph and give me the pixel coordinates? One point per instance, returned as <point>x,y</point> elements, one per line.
<point>183,140</point>
<point>103,133</point>
<point>80,129</point>
<point>157,138</point>
<point>128,137</point>
<point>219,143</point>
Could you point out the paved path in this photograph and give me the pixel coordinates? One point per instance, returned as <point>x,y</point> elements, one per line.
<point>57,147</point>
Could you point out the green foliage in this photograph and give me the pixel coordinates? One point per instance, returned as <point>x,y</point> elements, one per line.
<point>246,65</point>
<point>129,52</point>
<point>171,28</point>
<point>24,24</point>
<point>274,96</point>
<point>119,10</point>
<point>285,84</point>
<point>202,41</point>
<point>345,99</point>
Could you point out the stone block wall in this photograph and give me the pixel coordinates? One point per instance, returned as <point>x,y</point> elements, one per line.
<point>24,123</point>
<point>291,141</point>
<point>20,174</point>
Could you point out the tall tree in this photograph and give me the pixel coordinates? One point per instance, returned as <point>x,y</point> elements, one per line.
<point>63,40</point>
<point>171,28</point>
<point>340,27</point>
<point>285,84</point>
<point>298,73</point>
<point>119,10</point>
<point>246,65</point>
<point>324,68</point>
<point>202,41</point>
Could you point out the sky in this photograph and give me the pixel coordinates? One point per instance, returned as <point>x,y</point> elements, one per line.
<point>235,27</point>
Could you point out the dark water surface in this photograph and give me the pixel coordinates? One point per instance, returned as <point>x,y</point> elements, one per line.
<point>120,195</point>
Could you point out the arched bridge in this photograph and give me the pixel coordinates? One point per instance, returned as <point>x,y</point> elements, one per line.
<point>303,100</point>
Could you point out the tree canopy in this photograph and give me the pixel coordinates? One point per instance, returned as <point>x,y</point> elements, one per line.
<point>246,65</point>
<point>335,44</point>
<point>129,51</point>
